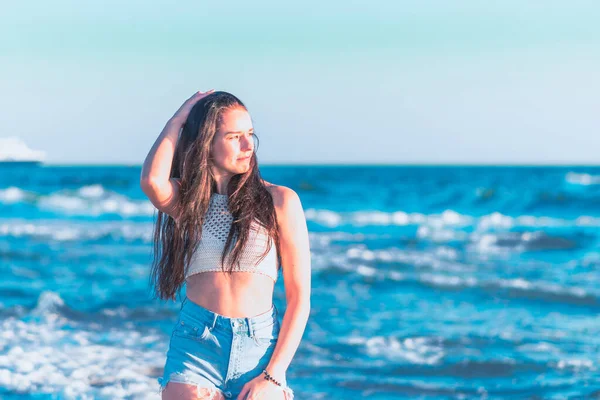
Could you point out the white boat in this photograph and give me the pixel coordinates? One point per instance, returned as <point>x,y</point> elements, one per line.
<point>14,151</point>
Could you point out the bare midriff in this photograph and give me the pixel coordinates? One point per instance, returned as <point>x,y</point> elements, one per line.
<point>239,295</point>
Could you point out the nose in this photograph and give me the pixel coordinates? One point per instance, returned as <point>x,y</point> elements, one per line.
<point>247,143</point>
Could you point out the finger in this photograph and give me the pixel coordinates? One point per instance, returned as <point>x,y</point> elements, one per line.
<point>193,97</point>
<point>198,95</point>
<point>242,394</point>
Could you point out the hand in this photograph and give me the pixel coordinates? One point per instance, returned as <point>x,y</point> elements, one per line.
<point>182,114</point>
<point>260,389</point>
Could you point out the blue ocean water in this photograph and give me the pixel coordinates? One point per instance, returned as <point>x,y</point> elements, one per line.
<point>428,282</point>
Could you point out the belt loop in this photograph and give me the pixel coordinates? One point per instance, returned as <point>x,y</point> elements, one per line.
<point>250,328</point>
<point>214,321</point>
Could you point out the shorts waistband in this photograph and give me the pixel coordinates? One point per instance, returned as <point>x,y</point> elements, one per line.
<point>210,318</point>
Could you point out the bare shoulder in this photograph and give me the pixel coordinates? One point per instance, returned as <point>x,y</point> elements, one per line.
<point>284,198</point>
<point>290,215</point>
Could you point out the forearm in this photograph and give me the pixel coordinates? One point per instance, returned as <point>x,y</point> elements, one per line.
<point>292,328</point>
<point>157,165</point>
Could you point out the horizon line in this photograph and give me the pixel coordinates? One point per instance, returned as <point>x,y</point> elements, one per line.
<point>365,164</point>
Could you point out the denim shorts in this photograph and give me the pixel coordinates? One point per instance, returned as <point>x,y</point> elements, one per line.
<point>212,351</point>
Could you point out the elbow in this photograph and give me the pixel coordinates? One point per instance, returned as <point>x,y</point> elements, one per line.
<point>145,183</point>
<point>148,184</point>
<point>301,303</point>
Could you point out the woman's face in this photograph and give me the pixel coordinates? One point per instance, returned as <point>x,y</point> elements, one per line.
<point>233,145</point>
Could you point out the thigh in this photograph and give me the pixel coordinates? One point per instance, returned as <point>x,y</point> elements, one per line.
<point>183,391</point>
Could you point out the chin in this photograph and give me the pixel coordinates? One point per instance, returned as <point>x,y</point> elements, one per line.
<point>238,169</point>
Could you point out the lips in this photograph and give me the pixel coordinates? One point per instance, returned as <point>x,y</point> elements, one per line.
<point>244,158</point>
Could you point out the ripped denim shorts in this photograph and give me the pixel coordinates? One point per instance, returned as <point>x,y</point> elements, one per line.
<point>218,353</point>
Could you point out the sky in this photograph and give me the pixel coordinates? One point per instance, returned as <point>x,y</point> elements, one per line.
<point>337,82</point>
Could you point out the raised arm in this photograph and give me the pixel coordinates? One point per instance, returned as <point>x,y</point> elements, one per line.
<point>155,180</point>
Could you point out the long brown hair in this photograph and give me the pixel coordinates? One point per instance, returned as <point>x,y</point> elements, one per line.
<point>249,200</point>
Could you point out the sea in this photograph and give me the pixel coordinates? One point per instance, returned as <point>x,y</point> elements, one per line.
<point>428,282</point>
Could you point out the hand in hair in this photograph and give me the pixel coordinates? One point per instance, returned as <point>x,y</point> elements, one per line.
<point>181,115</point>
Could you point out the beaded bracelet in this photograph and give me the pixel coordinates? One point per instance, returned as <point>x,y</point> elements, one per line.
<point>270,378</point>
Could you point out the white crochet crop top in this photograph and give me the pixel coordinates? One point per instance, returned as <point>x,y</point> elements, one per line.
<point>215,230</point>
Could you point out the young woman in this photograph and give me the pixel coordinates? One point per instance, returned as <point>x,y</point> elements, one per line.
<point>226,233</point>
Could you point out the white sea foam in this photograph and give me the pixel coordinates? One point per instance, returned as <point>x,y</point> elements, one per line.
<point>92,200</point>
<point>96,200</point>
<point>365,270</point>
<point>447,221</point>
<point>447,280</point>
<point>12,195</point>
<point>64,231</point>
<point>93,203</point>
<point>541,347</point>
<point>517,283</point>
<point>49,354</point>
<point>539,286</point>
<point>399,218</point>
<point>92,191</point>
<point>323,217</point>
<point>582,179</point>
<point>442,259</point>
<point>415,350</point>
<point>576,364</point>
<point>433,268</point>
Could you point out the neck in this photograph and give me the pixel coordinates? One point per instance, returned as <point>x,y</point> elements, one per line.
<point>221,180</point>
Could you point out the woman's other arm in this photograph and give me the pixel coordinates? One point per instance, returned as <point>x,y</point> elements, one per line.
<point>295,260</point>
